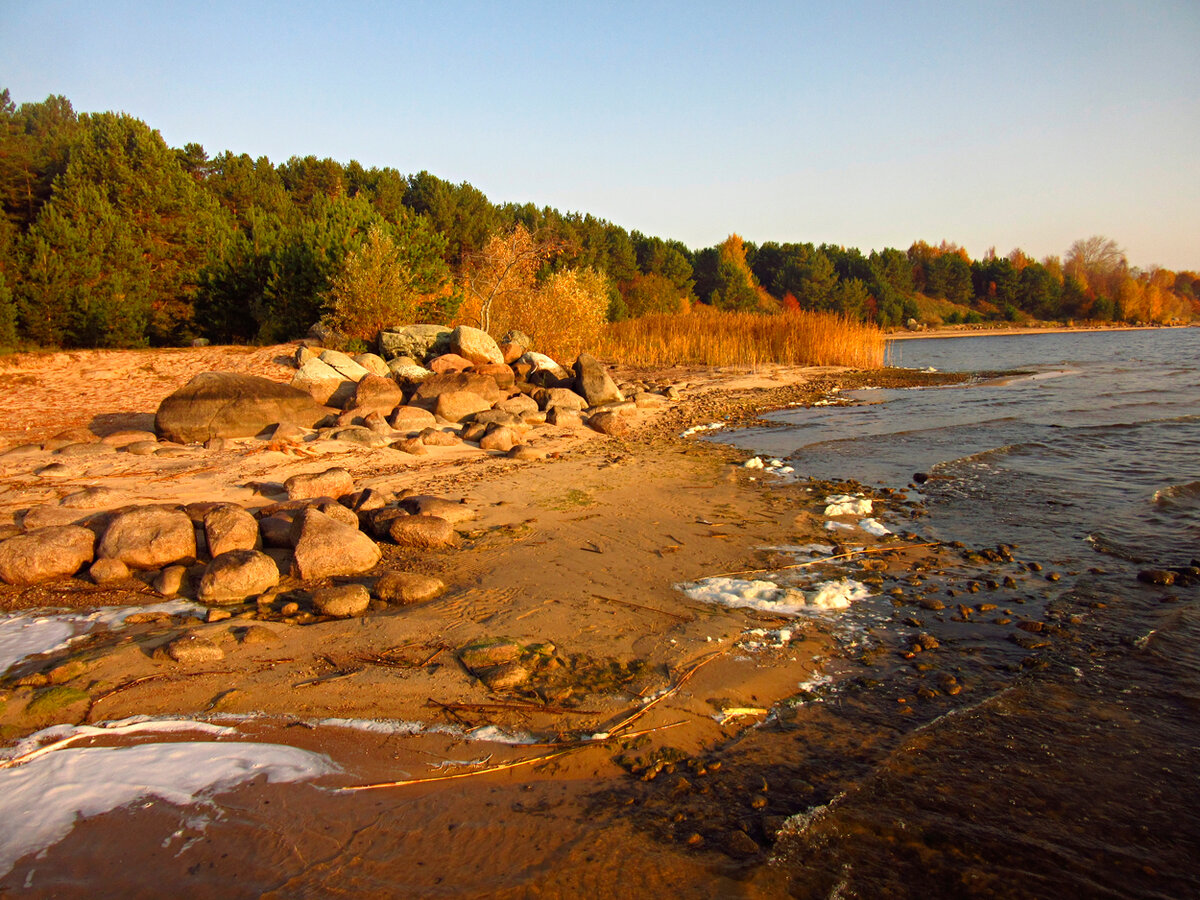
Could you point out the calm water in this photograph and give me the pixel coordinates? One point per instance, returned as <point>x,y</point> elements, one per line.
<point>1071,764</point>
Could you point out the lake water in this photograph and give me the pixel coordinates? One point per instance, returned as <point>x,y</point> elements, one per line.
<point>1070,765</point>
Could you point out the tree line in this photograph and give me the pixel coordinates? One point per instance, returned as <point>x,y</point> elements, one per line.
<point>109,237</point>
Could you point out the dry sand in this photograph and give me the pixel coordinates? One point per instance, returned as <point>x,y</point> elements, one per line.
<point>581,551</point>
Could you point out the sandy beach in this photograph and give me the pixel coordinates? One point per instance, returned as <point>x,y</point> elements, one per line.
<point>570,564</point>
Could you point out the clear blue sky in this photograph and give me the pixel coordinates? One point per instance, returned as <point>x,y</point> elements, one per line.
<point>864,124</point>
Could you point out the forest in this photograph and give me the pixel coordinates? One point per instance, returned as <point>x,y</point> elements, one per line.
<point>111,238</point>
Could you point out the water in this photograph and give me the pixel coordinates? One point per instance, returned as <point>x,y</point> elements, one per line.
<point>1069,765</point>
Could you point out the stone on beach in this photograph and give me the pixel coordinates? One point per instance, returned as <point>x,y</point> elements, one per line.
<point>45,554</point>
<point>344,365</point>
<point>342,601</point>
<point>229,527</point>
<point>373,363</point>
<point>428,390</point>
<point>454,406</point>
<point>326,547</point>
<point>237,574</point>
<point>323,383</point>
<point>449,362</point>
<point>475,345</point>
<point>108,571</point>
<point>192,648</point>
<point>544,371</point>
<point>450,510</point>
<point>149,537</point>
<point>404,588</point>
<point>377,392</point>
<point>333,482</point>
<point>594,383</point>
<point>612,424</point>
<point>225,404</point>
<point>416,341</point>
<point>412,418</point>
<point>422,532</point>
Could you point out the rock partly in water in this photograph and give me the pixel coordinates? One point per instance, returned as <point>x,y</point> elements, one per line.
<point>342,601</point>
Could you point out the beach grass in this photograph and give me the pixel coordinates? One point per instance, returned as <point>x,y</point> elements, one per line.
<point>710,337</point>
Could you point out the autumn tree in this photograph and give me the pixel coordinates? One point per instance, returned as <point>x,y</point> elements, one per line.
<point>390,279</point>
<point>501,277</point>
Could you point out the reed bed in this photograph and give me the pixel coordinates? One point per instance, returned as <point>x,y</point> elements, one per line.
<point>712,338</point>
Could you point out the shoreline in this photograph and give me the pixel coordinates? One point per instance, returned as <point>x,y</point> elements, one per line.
<point>581,552</point>
<point>954,332</point>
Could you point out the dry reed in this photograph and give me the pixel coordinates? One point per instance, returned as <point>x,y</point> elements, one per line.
<point>711,338</point>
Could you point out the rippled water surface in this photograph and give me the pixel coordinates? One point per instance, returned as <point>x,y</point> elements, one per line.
<point>1075,770</point>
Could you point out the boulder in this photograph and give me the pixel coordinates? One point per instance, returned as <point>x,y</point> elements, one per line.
<point>611,423</point>
<point>407,373</point>
<point>450,510</point>
<point>562,417</point>
<point>373,363</point>
<point>190,649</point>
<point>98,497</point>
<point>454,406</point>
<point>108,571</point>
<point>377,392</point>
<point>422,532</point>
<point>544,371</point>
<point>563,398</point>
<point>225,404</point>
<point>431,388</point>
<point>498,417</point>
<point>436,437</point>
<point>404,588</point>
<point>171,581</point>
<point>525,453</point>
<point>228,527</point>
<point>233,576</point>
<point>344,365</point>
<point>381,519</point>
<point>128,436</point>
<point>512,351</point>
<point>518,405</point>
<point>475,345</point>
<point>449,362</point>
<point>323,383</point>
<point>500,438</point>
<point>473,432</point>
<point>333,482</point>
<point>149,537</point>
<point>342,601</point>
<point>276,531</point>
<point>505,378</point>
<point>364,437</point>
<point>593,382</point>
<point>417,341</point>
<point>326,547</point>
<point>45,554</point>
<point>647,400</point>
<point>412,446</point>
<point>412,418</point>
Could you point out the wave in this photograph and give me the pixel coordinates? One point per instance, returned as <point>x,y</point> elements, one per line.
<point>1103,544</point>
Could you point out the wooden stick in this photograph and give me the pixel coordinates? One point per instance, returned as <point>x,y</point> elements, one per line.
<point>629,720</point>
<point>455,775</point>
<point>516,707</point>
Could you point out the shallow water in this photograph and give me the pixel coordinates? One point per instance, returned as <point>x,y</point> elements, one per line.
<point>1068,764</point>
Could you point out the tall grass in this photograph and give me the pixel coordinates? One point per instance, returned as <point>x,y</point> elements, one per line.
<point>712,338</point>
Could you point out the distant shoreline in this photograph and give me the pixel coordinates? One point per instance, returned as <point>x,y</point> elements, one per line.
<point>1008,332</point>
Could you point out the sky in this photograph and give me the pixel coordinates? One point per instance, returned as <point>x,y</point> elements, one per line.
<point>868,124</point>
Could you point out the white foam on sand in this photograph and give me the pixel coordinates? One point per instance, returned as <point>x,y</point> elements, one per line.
<point>875,527</point>
<point>28,633</point>
<point>696,429</point>
<point>774,598</point>
<point>847,505</point>
<point>43,797</point>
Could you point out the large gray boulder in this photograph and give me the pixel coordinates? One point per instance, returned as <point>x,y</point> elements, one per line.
<point>228,405</point>
<point>544,371</point>
<point>323,383</point>
<point>416,341</point>
<point>58,551</point>
<point>344,364</point>
<point>149,537</point>
<point>594,383</point>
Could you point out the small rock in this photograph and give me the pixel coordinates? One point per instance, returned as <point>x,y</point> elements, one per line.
<point>342,601</point>
<point>1156,576</point>
<point>436,437</point>
<point>449,362</point>
<point>170,581</point>
<point>412,418</point>
<point>192,648</point>
<point>229,527</point>
<point>333,482</point>
<point>258,634</point>
<point>422,532</point>
<point>504,677</point>
<point>612,424</point>
<point>480,655</point>
<point>525,453</point>
<point>108,571</point>
<point>501,439</point>
<point>404,588</point>
<point>326,547</point>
